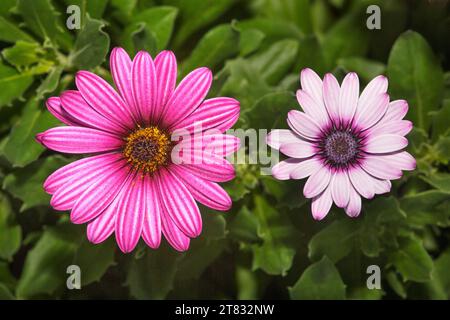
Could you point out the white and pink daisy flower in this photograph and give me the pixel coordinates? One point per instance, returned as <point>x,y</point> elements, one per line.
<point>129,185</point>
<point>348,144</point>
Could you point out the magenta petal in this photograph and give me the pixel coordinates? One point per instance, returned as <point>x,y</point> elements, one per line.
<point>74,105</point>
<point>206,192</point>
<point>104,99</point>
<point>217,113</point>
<point>78,169</point>
<point>220,145</point>
<point>79,140</point>
<point>120,64</point>
<point>317,182</point>
<point>385,143</point>
<point>340,188</point>
<point>321,204</point>
<point>99,195</point>
<point>103,226</point>
<point>177,239</point>
<point>166,76</point>
<point>143,75</point>
<point>54,106</point>
<point>210,167</point>
<point>188,95</point>
<point>180,204</point>
<point>130,213</point>
<point>151,231</point>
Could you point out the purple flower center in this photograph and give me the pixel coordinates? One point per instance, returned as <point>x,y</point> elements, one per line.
<point>340,148</point>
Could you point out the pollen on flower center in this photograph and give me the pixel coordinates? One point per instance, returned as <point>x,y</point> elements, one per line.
<point>147,149</point>
<point>340,148</point>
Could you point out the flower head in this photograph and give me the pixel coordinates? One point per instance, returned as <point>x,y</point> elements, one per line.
<point>348,144</point>
<point>130,184</point>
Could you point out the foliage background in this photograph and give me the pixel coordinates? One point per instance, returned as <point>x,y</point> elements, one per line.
<point>268,245</point>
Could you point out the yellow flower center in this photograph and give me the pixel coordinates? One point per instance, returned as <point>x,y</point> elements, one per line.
<point>147,149</point>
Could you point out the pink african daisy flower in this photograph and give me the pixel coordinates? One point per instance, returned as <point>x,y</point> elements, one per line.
<point>348,144</point>
<point>130,184</point>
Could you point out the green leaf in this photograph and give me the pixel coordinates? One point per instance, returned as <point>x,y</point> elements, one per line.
<point>157,23</point>
<point>335,241</point>
<point>45,266</point>
<point>91,45</point>
<point>440,275</point>
<point>6,6</point>
<point>250,40</point>
<point>346,38</point>
<point>273,30</point>
<point>33,121</point>
<point>13,84</point>
<point>50,83</point>
<point>40,17</point>
<point>9,32</point>
<point>396,284</point>
<point>429,207</point>
<point>320,281</point>
<point>276,60</point>
<point>275,254</point>
<point>152,276</point>
<point>23,54</point>
<point>10,231</point>
<point>412,260</point>
<point>244,227</point>
<point>95,8</point>
<point>216,46</point>
<point>5,293</point>
<point>440,124</point>
<point>365,68</point>
<point>415,75</point>
<point>26,183</point>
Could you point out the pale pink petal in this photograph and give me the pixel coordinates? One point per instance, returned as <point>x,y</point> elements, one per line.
<point>317,182</point>
<point>321,204</point>
<point>303,124</point>
<point>401,160</point>
<point>362,182</point>
<point>348,98</point>
<point>120,65</point>
<point>79,140</point>
<point>166,77</point>
<point>331,95</point>
<point>396,110</point>
<point>78,169</point>
<point>99,195</point>
<point>340,188</point>
<point>313,108</point>
<point>180,204</point>
<point>104,99</point>
<point>143,75</point>
<point>210,167</point>
<point>99,229</point>
<point>130,213</point>
<point>305,168</point>
<point>54,106</point>
<point>216,113</point>
<point>373,111</point>
<point>74,105</point>
<point>283,169</point>
<point>277,137</point>
<point>397,127</point>
<point>374,88</point>
<point>177,239</point>
<point>385,143</point>
<point>188,95</point>
<point>312,84</point>
<point>71,186</point>
<point>380,168</point>
<point>151,231</point>
<point>300,149</point>
<point>381,186</point>
<point>206,192</point>
<point>353,207</point>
